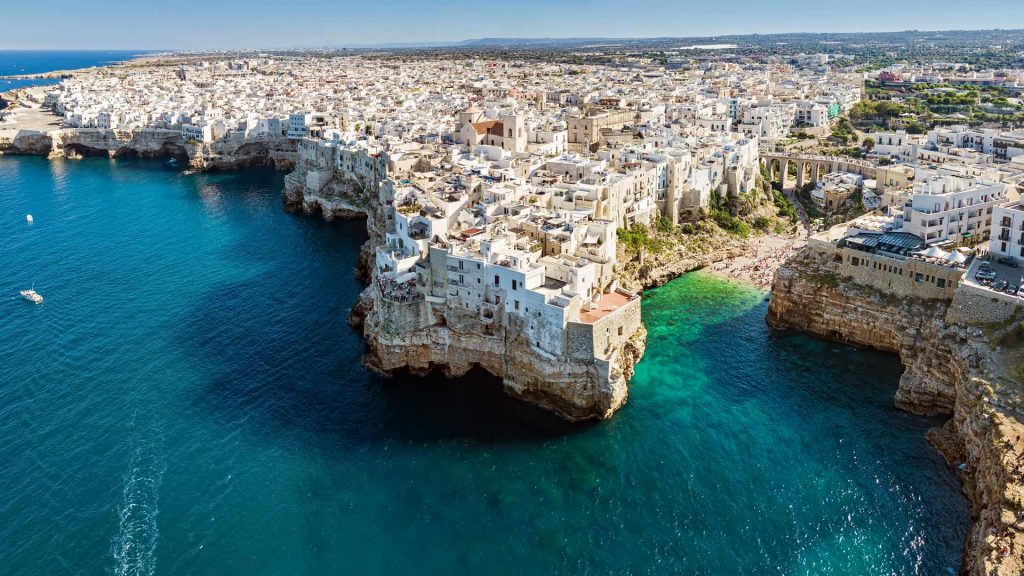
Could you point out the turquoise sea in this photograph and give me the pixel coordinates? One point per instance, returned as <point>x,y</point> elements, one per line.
<point>189,400</point>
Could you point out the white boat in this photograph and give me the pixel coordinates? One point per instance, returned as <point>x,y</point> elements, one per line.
<point>28,218</point>
<point>32,296</point>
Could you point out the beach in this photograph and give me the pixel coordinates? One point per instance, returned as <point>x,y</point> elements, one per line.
<point>758,265</point>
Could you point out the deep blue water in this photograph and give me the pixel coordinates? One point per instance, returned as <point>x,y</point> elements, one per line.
<point>189,400</point>
<point>16,62</point>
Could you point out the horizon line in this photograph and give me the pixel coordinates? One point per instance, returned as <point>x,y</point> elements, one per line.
<point>455,42</point>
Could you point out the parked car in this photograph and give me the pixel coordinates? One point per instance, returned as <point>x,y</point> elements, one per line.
<point>1011,289</point>
<point>985,274</point>
<point>1011,262</point>
<point>1000,286</point>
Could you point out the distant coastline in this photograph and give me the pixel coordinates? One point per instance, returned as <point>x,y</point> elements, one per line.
<point>25,69</point>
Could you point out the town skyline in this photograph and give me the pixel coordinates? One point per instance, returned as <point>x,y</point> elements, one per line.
<point>233,25</point>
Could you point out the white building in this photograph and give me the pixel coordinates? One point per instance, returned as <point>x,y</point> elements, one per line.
<point>1008,230</point>
<point>952,207</point>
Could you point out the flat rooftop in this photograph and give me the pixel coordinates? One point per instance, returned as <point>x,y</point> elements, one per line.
<point>608,303</point>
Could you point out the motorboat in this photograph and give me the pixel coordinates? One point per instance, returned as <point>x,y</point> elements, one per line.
<point>32,296</point>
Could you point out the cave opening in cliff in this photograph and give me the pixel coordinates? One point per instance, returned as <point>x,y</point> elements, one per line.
<point>85,151</point>
<point>474,406</point>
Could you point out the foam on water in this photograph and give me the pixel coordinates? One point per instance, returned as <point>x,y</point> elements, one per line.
<point>134,546</point>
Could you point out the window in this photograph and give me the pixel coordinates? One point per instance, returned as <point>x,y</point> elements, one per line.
<point>620,330</point>
<point>517,304</point>
<point>497,280</point>
<point>515,285</point>
<point>460,265</point>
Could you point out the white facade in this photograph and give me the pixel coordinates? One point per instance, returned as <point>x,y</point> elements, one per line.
<point>1008,231</point>
<point>948,207</point>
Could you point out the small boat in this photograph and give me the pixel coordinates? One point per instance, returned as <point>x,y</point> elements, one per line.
<point>28,218</point>
<point>32,296</point>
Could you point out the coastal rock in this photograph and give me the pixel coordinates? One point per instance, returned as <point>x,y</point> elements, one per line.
<point>577,388</point>
<point>224,154</point>
<point>28,142</point>
<point>952,367</point>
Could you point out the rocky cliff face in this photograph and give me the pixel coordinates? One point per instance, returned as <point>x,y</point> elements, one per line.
<point>951,368</point>
<point>338,197</point>
<point>454,343</point>
<point>224,154</point>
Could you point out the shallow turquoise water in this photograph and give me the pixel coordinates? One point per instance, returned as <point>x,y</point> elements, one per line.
<point>189,399</point>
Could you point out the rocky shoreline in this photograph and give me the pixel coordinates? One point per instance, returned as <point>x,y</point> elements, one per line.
<point>953,367</point>
<point>224,154</point>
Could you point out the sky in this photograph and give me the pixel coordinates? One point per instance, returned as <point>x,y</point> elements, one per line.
<point>217,24</point>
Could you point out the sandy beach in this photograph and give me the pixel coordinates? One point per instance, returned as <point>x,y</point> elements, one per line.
<point>758,266</point>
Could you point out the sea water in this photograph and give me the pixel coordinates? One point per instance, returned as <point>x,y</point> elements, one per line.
<point>190,400</point>
<point>21,62</point>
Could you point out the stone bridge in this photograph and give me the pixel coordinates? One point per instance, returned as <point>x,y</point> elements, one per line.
<point>810,168</point>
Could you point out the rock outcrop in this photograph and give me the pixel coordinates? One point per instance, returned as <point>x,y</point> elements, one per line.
<point>577,387</point>
<point>420,334</point>
<point>953,366</point>
<point>333,197</point>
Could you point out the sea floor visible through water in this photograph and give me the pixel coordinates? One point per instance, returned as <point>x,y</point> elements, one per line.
<point>190,399</point>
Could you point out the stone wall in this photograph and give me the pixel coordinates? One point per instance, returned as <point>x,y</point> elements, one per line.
<point>900,277</point>
<point>606,334</point>
<point>974,305</point>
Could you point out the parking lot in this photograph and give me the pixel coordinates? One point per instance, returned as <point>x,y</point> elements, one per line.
<point>1004,275</point>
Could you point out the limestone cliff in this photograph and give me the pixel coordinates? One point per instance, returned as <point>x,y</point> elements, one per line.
<point>332,197</point>
<point>577,387</point>
<point>223,154</point>
<point>953,366</point>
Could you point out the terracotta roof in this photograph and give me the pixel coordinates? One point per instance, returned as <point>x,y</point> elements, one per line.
<point>489,127</point>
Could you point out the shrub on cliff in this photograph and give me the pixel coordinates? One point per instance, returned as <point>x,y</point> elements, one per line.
<point>637,237</point>
<point>730,223</point>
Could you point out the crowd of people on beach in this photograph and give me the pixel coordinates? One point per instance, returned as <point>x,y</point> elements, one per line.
<point>760,269</point>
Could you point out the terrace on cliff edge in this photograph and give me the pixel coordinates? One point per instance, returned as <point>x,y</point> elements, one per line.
<point>963,348</point>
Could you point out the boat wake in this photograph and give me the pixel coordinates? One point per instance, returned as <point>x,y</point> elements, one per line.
<point>134,546</point>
